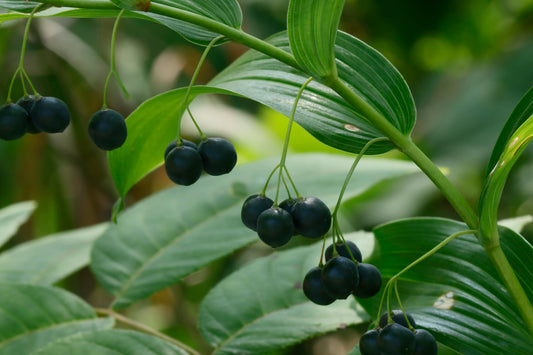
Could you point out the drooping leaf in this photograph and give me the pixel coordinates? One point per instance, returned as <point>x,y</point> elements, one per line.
<point>177,231</point>
<point>151,127</point>
<point>262,307</point>
<point>321,111</point>
<point>49,259</point>
<point>19,5</point>
<point>312,28</point>
<point>520,114</point>
<point>493,187</point>
<point>227,12</point>
<point>456,293</point>
<point>32,317</point>
<point>111,342</point>
<point>12,217</point>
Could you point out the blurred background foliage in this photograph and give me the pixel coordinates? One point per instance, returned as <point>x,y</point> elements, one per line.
<point>467,62</point>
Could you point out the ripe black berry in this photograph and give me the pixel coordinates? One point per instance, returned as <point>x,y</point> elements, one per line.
<point>368,344</point>
<point>397,317</point>
<point>275,227</point>
<point>174,144</point>
<point>183,165</point>
<point>218,156</point>
<point>12,122</point>
<point>395,339</point>
<point>343,251</point>
<point>369,281</point>
<point>252,207</point>
<point>26,103</point>
<point>50,114</point>
<point>314,288</point>
<point>425,343</point>
<point>107,129</point>
<point>312,217</point>
<point>340,276</point>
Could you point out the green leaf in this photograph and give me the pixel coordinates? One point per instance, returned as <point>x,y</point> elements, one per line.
<point>321,111</point>
<point>177,231</point>
<point>111,342</point>
<point>493,187</point>
<point>49,259</point>
<point>312,28</point>
<point>456,293</point>
<point>520,114</point>
<point>12,217</point>
<point>227,12</point>
<point>19,5</point>
<point>142,5</point>
<point>517,224</point>
<point>262,307</point>
<point>34,316</point>
<point>151,127</point>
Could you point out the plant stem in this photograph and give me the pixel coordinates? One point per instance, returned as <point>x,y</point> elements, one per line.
<point>112,70</point>
<point>136,325</point>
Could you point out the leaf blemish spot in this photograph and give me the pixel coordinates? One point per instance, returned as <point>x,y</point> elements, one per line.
<point>351,128</point>
<point>445,301</point>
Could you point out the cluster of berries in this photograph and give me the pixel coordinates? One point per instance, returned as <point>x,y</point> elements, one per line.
<point>33,114</point>
<point>398,337</point>
<point>276,224</point>
<point>185,161</point>
<point>341,276</point>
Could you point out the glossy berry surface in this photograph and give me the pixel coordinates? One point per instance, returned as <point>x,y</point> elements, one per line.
<point>343,251</point>
<point>314,288</point>
<point>173,145</point>
<point>340,276</point>
<point>183,165</point>
<point>27,103</point>
<point>312,217</point>
<point>397,340</point>
<point>369,281</point>
<point>368,344</point>
<point>275,227</point>
<point>252,207</point>
<point>12,122</point>
<point>50,114</point>
<point>425,343</point>
<point>218,156</point>
<point>397,317</point>
<point>107,129</point>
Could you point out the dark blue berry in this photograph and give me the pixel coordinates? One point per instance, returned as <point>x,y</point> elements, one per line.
<point>397,340</point>
<point>218,156</point>
<point>314,288</point>
<point>50,114</point>
<point>13,120</point>
<point>183,165</point>
<point>275,227</point>
<point>252,207</point>
<point>312,217</point>
<point>369,281</point>
<point>107,129</point>
<point>343,251</point>
<point>27,103</point>
<point>340,276</point>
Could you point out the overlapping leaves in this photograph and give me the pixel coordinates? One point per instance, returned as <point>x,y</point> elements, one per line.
<point>456,293</point>
<point>177,231</point>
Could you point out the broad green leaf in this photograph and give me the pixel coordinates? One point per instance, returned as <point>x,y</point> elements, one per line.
<point>12,217</point>
<point>111,342</point>
<point>226,12</point>
<point>520,114</point>
<point>493,188</point>
<point>312,28</point>
<point>321,111</point>
<point>456,293</point>
<point>262,307</point>
<point>516,224</point>
<point>179,230</point>
<point>151,127</point>
<point>31,317</point>
<point>49,259</point>
<point>19,5</point>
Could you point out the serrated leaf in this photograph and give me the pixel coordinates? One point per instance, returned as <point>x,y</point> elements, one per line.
<point>177,231</point>
<point>321,111</point>
<point>227,12</point>
<point>111,342</point>
<point>520,114</point>
<point>49,259</point>
<point>456,293</point>
<point>12,217</point>
<point>34,316</point>
<point>262,307</point>
<point>312,28</point>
